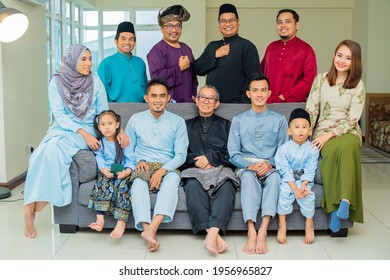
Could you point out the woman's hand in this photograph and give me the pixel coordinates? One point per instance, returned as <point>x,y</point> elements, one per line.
<point>91,141</point>
<point>320,141</point>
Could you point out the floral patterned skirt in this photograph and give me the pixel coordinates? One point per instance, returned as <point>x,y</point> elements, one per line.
<point>111,196</point>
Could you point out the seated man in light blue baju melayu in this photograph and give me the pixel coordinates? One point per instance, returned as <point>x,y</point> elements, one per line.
<point>254,137</point>
<point>159,140</point>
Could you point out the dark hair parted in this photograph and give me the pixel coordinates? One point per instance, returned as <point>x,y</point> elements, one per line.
<point>155,82</point>
<point>256,77</point>
<point>294,13</point>
<point>355,72</point>
<point>118,149</point>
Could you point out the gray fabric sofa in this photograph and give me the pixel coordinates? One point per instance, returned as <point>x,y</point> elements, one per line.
<point>83,172</point>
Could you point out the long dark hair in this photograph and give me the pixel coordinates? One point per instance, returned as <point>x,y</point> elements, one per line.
<point>118,149</point>
<point>355,73</point>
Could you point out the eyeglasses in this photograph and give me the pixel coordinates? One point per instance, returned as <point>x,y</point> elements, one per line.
<point>225,21</point>
<point>171,26</point>
<point>210,99</point>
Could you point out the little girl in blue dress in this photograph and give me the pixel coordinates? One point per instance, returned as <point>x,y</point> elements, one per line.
<point>111,192</point>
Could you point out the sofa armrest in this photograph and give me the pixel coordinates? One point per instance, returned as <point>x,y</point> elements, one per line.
<point>86,164</point>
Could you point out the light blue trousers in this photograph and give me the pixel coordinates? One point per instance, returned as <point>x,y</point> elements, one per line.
<point>166,200</point>
<point>287,197</point>
<point>258,193</point>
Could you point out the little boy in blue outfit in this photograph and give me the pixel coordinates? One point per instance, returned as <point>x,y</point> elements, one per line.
<point>296,161</point>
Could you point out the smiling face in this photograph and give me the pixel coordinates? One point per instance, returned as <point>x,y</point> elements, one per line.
<point>125,42</point>
<point>286,26</point>
<point>85,63</point>
<point>171,31</point>
<point>157,98</point>
<point>258,93</point>
<point>228,24</point>
<point>299,130</point>
<point>342,60</point>
<point>207,102</point>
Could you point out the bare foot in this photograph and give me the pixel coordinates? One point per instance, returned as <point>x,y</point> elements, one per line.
<point>119,229</point>
<point>222,245</point>
<point>29,217</point>
<point>282,233</point>
<point>210,242</point>
<point>250,246</point>
<point>149,235</point>
<point>309,232</point>
<point>99,224</point>
<point>261,245</point>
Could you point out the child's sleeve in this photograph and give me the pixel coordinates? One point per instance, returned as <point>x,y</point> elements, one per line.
<point>99,157</point>
<point>282,164</point>
<point>310,165</point>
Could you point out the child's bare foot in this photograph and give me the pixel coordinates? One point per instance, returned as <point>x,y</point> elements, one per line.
<point>119,229</point>
<point>309,232</point>
<point>149,235</point>
<point>99,224</point>
<point>282,233</point>
<point>29,217</point>
<point>261,245</point>
<point>222,245</point>
<point>250,245</point>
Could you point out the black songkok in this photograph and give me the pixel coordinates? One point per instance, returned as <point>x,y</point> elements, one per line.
<point>227,8</point>
<point>299,113</point>
<point>125,26</point>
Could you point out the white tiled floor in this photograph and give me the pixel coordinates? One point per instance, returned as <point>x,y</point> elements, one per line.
<point>370,240</point>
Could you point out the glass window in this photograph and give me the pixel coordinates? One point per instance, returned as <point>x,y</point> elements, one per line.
<point>76,35</point>
<point>90,18</point>
<point>115,17</point>
<point>91,41</point>
<point>57,44</point>
<point>68,36</point>
<point>149,39</point>
<point>57,7</point>
<point>146,17</point>
<point>109,46</point>
<point>67,10</point>
<point>76,13</point>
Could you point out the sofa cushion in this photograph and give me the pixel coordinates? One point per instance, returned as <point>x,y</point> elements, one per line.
<point>86,163</point>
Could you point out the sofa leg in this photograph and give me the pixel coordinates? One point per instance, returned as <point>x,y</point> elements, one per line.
<point>342,233</point>
<point>68,228</point>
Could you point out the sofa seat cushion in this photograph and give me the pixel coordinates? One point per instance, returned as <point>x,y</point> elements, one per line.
<point>86,188</point>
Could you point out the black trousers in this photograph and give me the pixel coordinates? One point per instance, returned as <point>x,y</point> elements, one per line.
<point>205,211</point>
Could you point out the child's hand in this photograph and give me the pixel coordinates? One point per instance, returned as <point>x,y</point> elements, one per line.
<point>107,172</point>
<point>305,190</point>
<point>123,174</point>
<point>298,193</point>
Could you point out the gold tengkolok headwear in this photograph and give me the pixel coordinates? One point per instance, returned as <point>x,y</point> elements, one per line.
<point>172,13</point>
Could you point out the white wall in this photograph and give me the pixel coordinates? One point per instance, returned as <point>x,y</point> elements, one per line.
<point>23,92</point>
